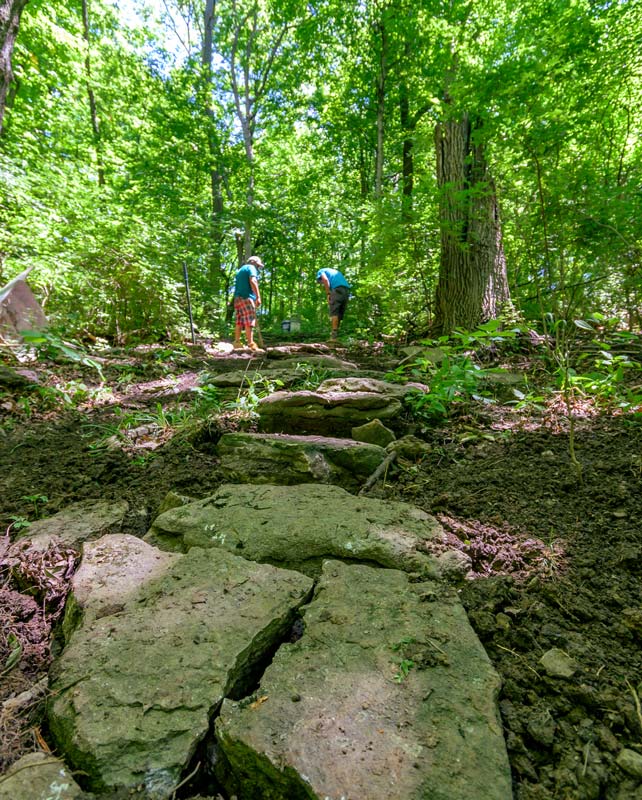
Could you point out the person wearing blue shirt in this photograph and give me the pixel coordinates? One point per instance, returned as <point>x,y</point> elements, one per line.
<point>247,298</point>
<point>337,290</point>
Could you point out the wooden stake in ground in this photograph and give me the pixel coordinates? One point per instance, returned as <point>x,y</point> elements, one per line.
<point>257,331</point>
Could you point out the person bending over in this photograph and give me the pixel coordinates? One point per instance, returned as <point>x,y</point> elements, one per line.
<point>337,290</point>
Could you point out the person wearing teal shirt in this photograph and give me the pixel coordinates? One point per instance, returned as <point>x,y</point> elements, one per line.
<point>247,298</point>
<point>337,290</point>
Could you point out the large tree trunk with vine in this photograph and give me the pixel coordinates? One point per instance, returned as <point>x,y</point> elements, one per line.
<point>10,11</point>
<point>473,286</point>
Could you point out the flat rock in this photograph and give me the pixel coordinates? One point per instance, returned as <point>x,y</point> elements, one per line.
<point>322,361</point>
<point>288,374</point>
<point>110,574</point>
<point>282,459</point>
<point>409,447</point>
<point>558,664</point>
<point>299,350</point>
<point>39,776</point>
<point>134,690</point>
<point>386,695</point>
<point>77,523</point>
<point>300,526</point>
<point>326,413</point>
<point>356,383</point>
<point>20,379</point>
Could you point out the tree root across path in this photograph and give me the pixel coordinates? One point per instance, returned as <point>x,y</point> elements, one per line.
<point>382,469</point>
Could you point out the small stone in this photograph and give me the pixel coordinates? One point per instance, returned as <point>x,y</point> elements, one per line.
<point>373,432</point>
<point>558,664</point>
<point>630,762</point>
<point>542,728</point>
<point>454,565</point>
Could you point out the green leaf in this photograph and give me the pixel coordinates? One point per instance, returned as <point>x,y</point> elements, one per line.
<point>585,326</point>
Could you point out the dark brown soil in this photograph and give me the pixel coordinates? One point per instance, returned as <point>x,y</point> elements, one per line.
<point>556,559</point>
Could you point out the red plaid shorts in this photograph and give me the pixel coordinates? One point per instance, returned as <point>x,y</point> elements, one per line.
<point>245,311</point>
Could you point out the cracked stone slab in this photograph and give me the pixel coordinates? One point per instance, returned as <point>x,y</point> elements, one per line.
<point>136,685</point>
<point>286,459</point>
<point>388,694</point>
<point>299,526</point>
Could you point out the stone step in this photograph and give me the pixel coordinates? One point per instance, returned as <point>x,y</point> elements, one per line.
<point>284,459</point>
<point>388,694</point>
<point>297,527</point>
<point>337,406</point>
<point>133,692</point>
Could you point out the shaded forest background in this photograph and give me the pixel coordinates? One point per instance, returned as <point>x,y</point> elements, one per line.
<point>458,161</point>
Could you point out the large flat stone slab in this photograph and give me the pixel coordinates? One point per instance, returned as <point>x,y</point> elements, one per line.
<point>388,694</point>
<point>288,460</point>
<point>137,684</point>
<point>299,526</point>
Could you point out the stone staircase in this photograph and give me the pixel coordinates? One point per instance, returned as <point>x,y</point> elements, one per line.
<point>283,638</point>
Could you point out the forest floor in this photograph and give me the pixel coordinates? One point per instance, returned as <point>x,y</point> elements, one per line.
<point>557,560</point>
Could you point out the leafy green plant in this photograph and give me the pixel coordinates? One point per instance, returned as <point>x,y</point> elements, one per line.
<point>494,332</point>
<point>173,353</point>
<point>48,345</point>
<point>454,381</point>
<point>208,400</point>
<point>18,522</point>
<point>257,387</point>
<point>309,376</point>
<point>606,382</point>
<point>406,664</point>
<point>563,337</point>
<point>37,501</point>
<point>15,654</point>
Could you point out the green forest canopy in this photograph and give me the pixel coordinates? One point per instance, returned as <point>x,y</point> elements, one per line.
<point>457,160</point>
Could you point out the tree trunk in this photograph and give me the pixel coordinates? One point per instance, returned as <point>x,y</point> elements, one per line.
<point>95,125</point>
<point>215,272</point>
<point>473,285</point>
<point>250,67</point>
<point>407,167</point>
<point>10,11</point>
<point>382,77</point>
